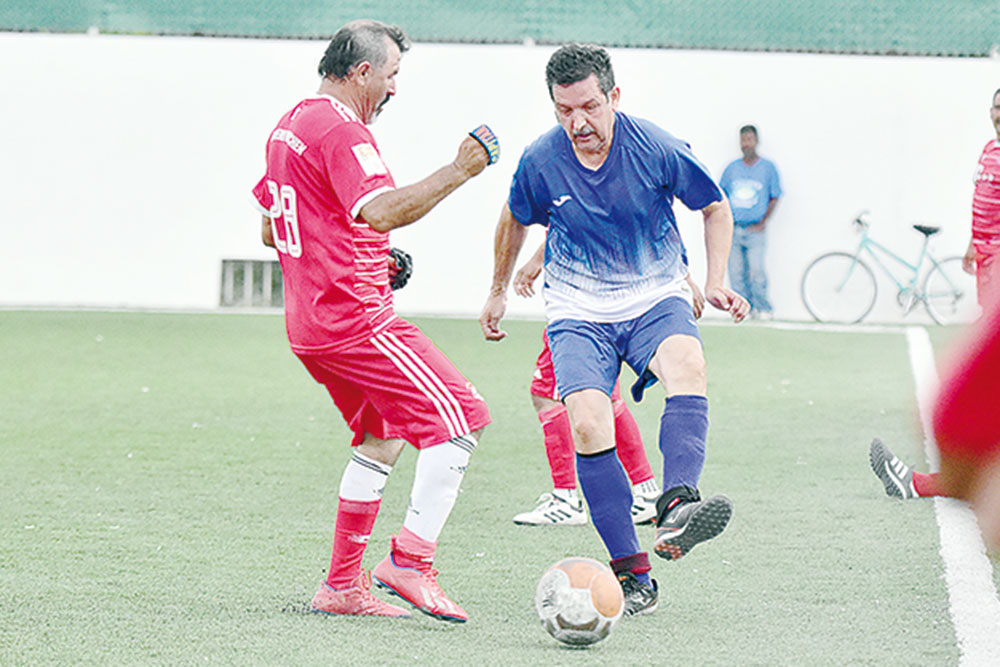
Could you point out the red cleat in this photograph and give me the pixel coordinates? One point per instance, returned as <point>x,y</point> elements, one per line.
<point>354,601</point>
<point>418,587</point>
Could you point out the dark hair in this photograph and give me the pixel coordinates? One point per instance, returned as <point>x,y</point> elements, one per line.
<point>358,42</point>
<point>995,94</point>
<point>749,128</point>
<point>576,62</point>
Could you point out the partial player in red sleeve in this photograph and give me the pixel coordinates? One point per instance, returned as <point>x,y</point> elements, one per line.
<point>328,203</point>
<point>981,258</point>
<point>983,254</point>
<point>563,507</point>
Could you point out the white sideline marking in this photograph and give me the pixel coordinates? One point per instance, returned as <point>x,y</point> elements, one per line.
<point>968,573</point>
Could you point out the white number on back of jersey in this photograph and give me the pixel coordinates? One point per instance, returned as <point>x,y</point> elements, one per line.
<point>285,207</point>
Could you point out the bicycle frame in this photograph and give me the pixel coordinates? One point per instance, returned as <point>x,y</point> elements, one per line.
<point>908,291</point>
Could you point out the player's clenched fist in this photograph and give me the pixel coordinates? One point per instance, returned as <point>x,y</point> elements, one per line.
<point>480,149</point>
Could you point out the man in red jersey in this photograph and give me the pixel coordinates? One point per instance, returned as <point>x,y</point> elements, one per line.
<point>981,258</point>
<point>328,203</point>
<point>984,247</point>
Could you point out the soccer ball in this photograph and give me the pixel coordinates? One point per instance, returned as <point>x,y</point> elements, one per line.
<point>579,600</point>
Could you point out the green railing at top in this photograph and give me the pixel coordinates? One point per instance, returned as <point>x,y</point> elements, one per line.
<point>905,27</point>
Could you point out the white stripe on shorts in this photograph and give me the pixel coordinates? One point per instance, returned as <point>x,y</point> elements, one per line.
<point>450,400</point>
<point>394,352</point>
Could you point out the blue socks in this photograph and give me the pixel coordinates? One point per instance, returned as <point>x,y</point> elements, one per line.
<point>609,496</point>
<point>683,432</point>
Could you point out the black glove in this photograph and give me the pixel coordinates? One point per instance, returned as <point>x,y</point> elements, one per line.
<point>400,268</point>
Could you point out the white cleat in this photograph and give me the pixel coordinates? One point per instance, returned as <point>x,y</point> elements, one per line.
<point>555,509</point>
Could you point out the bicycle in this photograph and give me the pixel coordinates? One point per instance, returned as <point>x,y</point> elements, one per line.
<point>840,286</point>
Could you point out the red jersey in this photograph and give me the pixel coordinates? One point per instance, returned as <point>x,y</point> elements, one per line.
<point>986,200</point>
<point>323,166</point>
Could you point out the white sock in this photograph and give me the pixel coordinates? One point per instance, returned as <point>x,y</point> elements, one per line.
<point>436,481</point>
<point>363,478</point>
<point>647,488</point>
<point>569,495</point>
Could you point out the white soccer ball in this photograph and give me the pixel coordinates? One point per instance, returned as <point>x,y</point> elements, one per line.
<point>579,600</point>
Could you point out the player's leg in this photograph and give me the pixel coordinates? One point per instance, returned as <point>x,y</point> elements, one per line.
<point>899,479</point>
<point>632,452</point>
<point>587,366</point>
<point>756,273</point>
<point>738,265</point>
<point>426,399</point>
<point>346,588</point>
<point>678,362</point>
<point>407,571</point>
<point>563,506</point>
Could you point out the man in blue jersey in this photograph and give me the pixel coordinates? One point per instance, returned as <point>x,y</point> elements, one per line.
<point>603,183</point>
<point>753,188</point>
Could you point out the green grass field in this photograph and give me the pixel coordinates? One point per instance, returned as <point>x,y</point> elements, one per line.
<point>168,488</point>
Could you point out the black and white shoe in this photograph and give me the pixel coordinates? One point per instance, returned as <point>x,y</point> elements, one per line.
<point>555,509</point>
<point>639,598</point>
<point>644,497</point>
<point>896,476</point>
<point>685,520</point>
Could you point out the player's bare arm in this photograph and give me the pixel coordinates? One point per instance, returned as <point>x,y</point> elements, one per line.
<point>507,244</point>
<point>697,297</point>
<point>718,239</point>
<point>524,279</point>
<point>408,204</point>
<point>266,236</point>
<point>969,259</point>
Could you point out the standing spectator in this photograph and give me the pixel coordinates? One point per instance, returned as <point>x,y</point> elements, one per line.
<point>984,246</point>
<point>753,188</point>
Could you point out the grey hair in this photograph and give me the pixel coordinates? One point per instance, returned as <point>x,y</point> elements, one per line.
<point>357,42</point>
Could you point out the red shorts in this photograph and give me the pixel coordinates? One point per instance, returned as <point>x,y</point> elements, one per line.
<point>543,382</point>
<point>397,384</point>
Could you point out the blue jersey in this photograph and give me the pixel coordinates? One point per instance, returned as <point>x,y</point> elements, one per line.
<point>750,189</point>
<point>612,249</point>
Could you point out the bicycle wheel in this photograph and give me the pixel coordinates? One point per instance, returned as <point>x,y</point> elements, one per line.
<point>950,293</point>
<point>838,287</point>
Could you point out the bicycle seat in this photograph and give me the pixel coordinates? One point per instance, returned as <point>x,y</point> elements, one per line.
<point>927,230</point>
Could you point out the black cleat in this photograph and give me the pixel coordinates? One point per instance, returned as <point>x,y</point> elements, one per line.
<point>687,520</point>
<point>639,598</point>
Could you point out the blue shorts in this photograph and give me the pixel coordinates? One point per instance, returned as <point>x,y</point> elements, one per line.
<point>589,355</point>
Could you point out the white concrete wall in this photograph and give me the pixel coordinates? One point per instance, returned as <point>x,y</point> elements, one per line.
<point>127,161</point>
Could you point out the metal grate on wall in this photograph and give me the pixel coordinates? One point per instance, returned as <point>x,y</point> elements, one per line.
<point>251,283</point>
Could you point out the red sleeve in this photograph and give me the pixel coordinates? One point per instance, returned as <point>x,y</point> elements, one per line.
<point>967,412</point>
<point>263,197</point>
<point>354,166</point>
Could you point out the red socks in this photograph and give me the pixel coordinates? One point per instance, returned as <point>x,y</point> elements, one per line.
<point>628,442</point>
<point>411,550</point>
<point>355,520</point>
<point>927,485</point>
<point>559,447</point>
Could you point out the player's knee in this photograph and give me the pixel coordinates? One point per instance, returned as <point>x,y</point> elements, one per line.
<point>543,403</point>
<point>383,451</point>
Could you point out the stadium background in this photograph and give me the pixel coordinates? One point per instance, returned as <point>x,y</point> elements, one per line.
<point>132,142</point>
